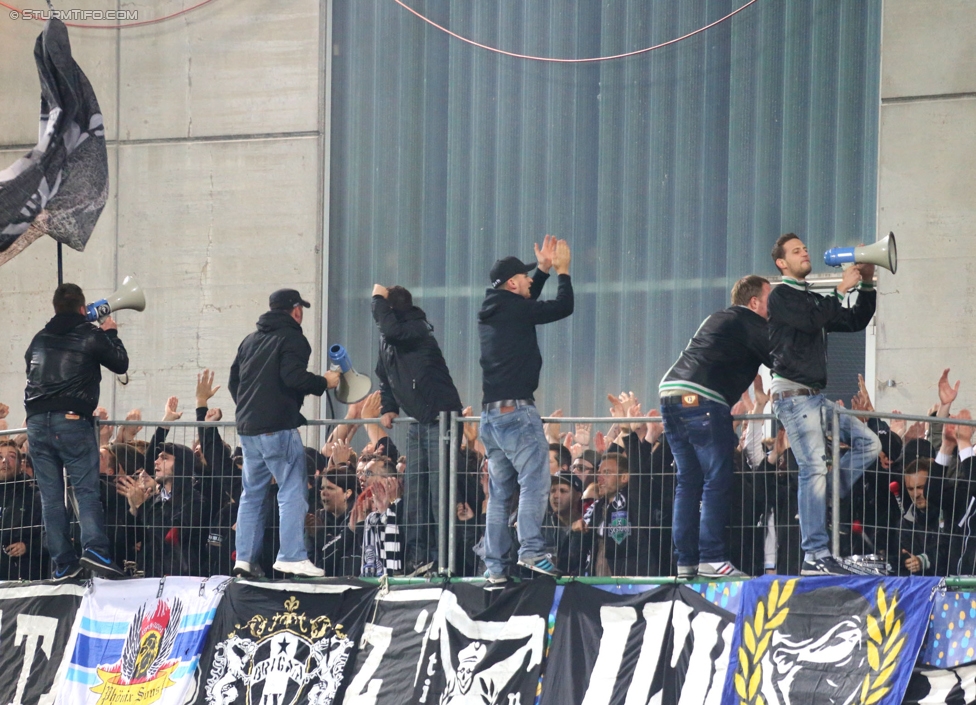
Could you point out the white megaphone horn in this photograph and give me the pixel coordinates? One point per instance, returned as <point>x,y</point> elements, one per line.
<point>129,296</point>
<point>352,386</point>
<point>882,253</point>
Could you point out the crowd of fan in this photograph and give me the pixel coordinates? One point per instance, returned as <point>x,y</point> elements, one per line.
<point>171,507</point>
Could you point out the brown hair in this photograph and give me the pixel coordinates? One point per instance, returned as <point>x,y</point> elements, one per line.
<point>622,465</point>
<point>68,298</point>
<point>920,465</point>
<point>778,249</point>
<point>746,288</point>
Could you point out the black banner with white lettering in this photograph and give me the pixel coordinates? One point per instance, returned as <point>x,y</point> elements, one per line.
<point>942,686</point>
<point>36,626</point>
<point>662,645</point>
<point>386,663</point>
<point>484,647</point>
<point>281,643</point>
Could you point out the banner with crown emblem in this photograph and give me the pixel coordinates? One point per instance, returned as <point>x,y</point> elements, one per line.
<point>799,638</point>
<point>36,631</point>
<point>283,643</point>
<point>139,641</point>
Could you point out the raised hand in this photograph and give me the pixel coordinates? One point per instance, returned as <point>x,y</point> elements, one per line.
<point>762,398</point>
<point>583,434</point>
<point>616,406</point>
<point>205,387</point>
<point>126,434</point>
<point>214,414</point>
<point>947,392</point>
<point>544,254</point>
<point>562,257</point>
<point>897,425</point>
<point>4,410</point>
<point>964,434</point>
<point>600,443</point>
<point>104,430</point>
<point>171,413</point>
<point>551,429</point>
<point>380,290</point>
<point>916,430</point>
<point>862,394</point>
<point>371,409</point>
<point>655,429</point>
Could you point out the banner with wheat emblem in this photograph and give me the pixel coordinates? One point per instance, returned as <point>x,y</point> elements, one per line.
<point>827,640</point>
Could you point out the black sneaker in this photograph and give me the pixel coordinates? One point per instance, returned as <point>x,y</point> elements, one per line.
<point>100,565</point>
<point>68,572</point>
<point>828,565</point>
<point>541,564</point>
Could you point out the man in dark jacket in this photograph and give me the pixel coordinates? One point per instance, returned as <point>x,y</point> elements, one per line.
<point>414,377</point>
<point>697,395</point>
<point>511,429</point>
<point>268,382</point>
<point>799,321</point>
<point>64,365</point>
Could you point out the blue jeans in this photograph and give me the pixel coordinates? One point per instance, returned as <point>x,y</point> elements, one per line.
<point>702,441</point>
<point>421,493</point>
<point>282,456</point>
<point>807,420</point>
<point>518,454</point>
<point>58,443</point>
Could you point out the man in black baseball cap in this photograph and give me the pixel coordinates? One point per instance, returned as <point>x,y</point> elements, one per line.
<point>286,299</point>
<point>268,381</point>
<point>517,449</point>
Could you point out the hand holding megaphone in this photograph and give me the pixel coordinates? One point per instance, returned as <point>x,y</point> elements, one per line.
<point>883,253</point>
<point>352,386</point>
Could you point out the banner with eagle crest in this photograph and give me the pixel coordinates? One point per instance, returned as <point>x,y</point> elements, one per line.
<point>827,640</point>
<point>139,641</point>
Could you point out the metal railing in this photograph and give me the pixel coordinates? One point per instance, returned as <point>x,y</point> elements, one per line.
<point>764,530</point>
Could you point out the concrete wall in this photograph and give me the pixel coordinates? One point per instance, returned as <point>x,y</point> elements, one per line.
<point>927,196</point>
<point>214,121</point>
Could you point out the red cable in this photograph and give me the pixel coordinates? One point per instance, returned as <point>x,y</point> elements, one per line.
<point>141,23</point>
<point>571,61</point>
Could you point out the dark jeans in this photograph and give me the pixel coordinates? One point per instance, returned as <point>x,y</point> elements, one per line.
<point>421,493</point>
<point>703,442</point>
<point>57,443</point>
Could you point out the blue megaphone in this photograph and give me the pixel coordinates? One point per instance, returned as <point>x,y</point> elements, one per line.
<point>883,253</point>
<point>352,386</point>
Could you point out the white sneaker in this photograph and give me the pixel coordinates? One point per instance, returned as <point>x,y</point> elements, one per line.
<point>304,569</point>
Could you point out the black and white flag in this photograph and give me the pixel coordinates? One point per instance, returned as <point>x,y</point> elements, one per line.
<point>36,635</point>
<point>942,686</point>
<point>475,653</point>
<point>60,187</point>
<point>665,645</point>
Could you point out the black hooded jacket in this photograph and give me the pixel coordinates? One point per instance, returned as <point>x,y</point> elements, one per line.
<point>510,357</point>
<point>64,365</point>
<point>411,369</point>
<point>269,379</point>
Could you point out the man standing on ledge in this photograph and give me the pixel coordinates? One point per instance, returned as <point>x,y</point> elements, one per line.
<point>511,429</point>
<point>268,382</point>
<point>63,374</point>
<point>799,321</point>
<point>697,395</point>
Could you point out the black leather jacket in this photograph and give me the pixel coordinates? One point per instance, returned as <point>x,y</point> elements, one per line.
<point>64,365</point>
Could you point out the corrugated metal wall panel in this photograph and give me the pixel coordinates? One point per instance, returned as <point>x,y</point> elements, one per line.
<point>670,173</point>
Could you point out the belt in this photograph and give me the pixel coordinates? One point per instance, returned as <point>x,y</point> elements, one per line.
<point>673,398</point>
<point>509,404</point>
<point>776,396</point>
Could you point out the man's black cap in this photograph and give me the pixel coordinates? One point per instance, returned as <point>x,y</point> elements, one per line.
<point>567,478</point>
<point>286,299</point>
<point>506,268</point>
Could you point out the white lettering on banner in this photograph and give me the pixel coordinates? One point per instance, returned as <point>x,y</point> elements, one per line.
<point>364,689</point>
<point>682,628</point>
<point>514,699</point>
<point>967,680</point>
<point>656,617</point>
<point>616,623</point>
<point>31,629</point>
<point>705,628</point>
<point>940,683</point>
<point>721,664</point>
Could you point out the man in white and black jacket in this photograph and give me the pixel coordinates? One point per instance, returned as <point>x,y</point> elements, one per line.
<point>413,376</point>
<point>799,321</point>
<point>511,429</point>
<point>697,395</point>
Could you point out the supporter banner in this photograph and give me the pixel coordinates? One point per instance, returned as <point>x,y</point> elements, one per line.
<point>60,187</point>
<point>386,663</point>
<point>283,643</point>
<point>857,636</point>
<point>936,686</point>
<point>610,649</point>
<point>139,641</point>
<point>36,630</point>
<point>476,653</point>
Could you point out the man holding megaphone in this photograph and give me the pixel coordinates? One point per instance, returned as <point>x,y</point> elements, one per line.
<point>799,321</point>
<point>268,381</point>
